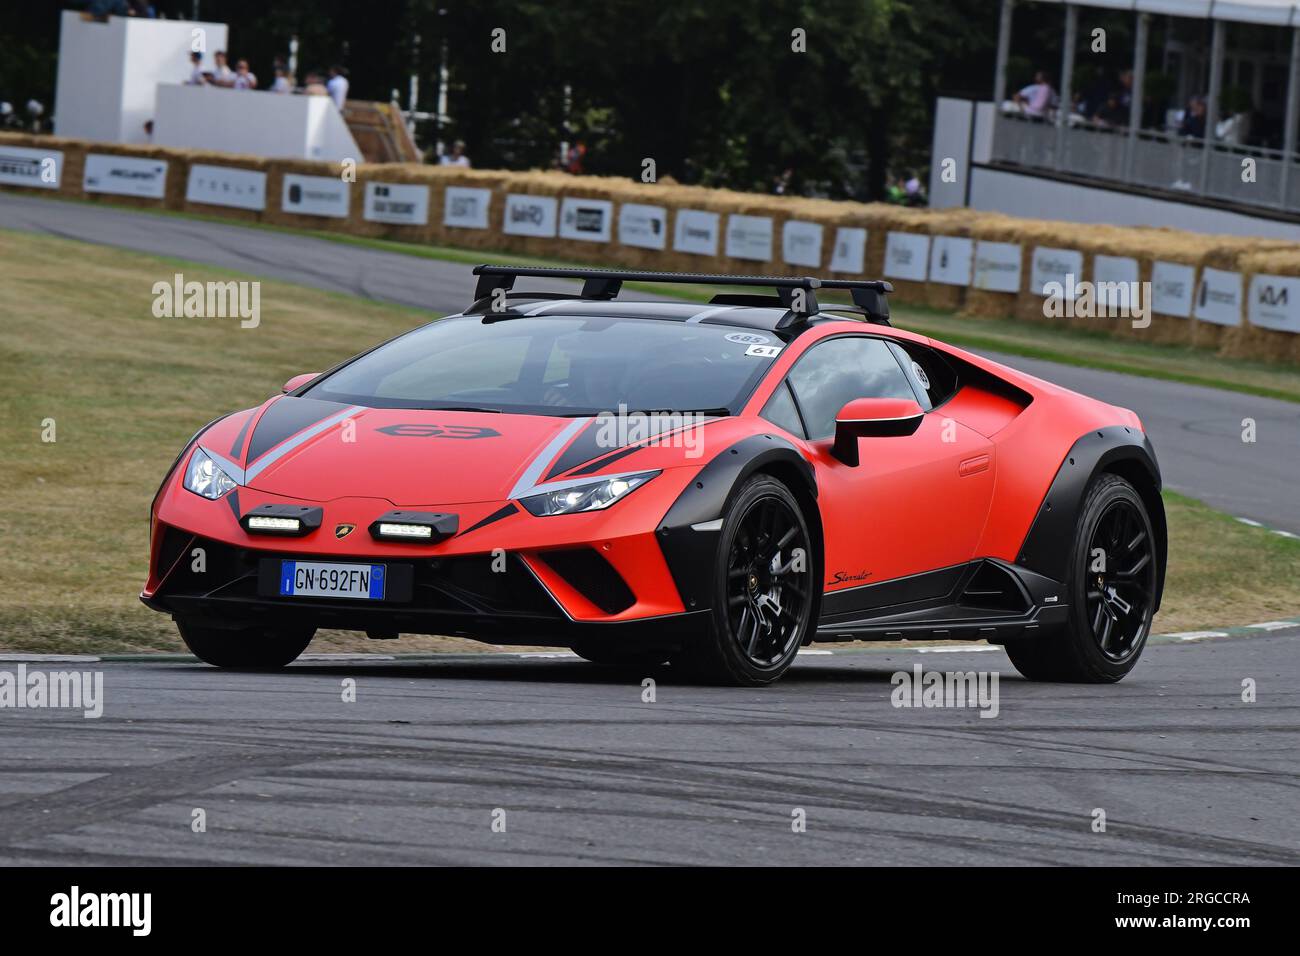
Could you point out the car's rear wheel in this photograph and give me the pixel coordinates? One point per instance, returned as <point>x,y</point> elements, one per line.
<point>256,648</point>
<point>763,590</point>
<point>608,654</point>
<point>1112,588</point>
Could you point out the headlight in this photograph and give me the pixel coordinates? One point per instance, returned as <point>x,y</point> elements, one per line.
<point>203,477</point>
<point>592,496</point>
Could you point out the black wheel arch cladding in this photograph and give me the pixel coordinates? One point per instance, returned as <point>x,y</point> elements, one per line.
<point>1120,450</point>
<point>692,555</point>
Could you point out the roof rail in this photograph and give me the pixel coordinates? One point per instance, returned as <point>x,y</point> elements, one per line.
<point>604,284</point>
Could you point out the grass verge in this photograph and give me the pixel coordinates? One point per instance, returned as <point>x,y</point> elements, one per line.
<point>124,389</point>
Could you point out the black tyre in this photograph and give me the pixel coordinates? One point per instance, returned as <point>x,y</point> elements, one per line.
<point>763,590</point>
<point>249,649</point>
<point>621,657</point>
<point>1112,588</point>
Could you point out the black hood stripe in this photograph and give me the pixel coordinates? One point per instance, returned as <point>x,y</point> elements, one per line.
<point>495,516</point>
<point>236,450</point>
<point>285,418</point>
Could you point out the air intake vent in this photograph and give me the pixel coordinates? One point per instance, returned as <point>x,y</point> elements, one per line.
<point>591,576</point>
<point>994,588</point>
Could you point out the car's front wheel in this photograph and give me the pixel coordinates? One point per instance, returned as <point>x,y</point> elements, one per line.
<point>256,648</point>
<point>1112,587</point>
<point>763,590</point>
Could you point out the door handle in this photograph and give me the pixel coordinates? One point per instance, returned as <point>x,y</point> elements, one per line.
<point>973,466</point>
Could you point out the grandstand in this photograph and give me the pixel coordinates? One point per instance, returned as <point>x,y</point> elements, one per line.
<point>1233,169</point>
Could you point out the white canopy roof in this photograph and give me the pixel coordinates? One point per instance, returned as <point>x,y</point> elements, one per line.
<point>1276,12</point>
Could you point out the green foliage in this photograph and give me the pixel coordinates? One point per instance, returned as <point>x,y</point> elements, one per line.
<point>710,89</point>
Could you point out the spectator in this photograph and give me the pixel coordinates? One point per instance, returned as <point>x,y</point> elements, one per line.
<point>338,86</point>
<point>281,82</point>
<point>1124,94</point>
<point>196,70</point>
<point>244,78</point>
<point>781,185</point>
<point>148,131</point>
<point>1036,98</point>
<point>221,72</point>
<point>103,9</point>
<point>1193,123</point>
<point>142,8</point>
<point>313,85</point>
<point>1112,112</point>
<point>456,156</point>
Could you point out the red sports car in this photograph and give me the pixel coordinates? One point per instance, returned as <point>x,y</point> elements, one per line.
<point>648,482</point>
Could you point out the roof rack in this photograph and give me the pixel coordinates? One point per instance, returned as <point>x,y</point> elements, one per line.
<point>604,284</point>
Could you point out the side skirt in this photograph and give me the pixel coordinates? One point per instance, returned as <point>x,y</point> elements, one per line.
<point>985,599</point>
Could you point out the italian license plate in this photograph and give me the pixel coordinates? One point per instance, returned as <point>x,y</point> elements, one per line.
<point>325,579</point>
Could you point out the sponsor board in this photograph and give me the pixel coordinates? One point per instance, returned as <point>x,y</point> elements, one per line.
<point>749,237</point>
<point>907,256</point>
<point>850,253</point>
<point>950,260</point>
<point>464,207</point>
<point>586,219</point>
<point>1275,302</point>
<point>1114,279</point>
<point>314,196</point>
<point>1061,266</point>
<point>527,215</point>
<point>399,204</point>
<point>696,232</point>
<point>1173,289</point>
<point>226,186</point>
<point>125,176</point>
<point>38,168</point>
<point>801,243</point>
<point>643,226</point>
<point>997,267</point>
<point>1218,299</point>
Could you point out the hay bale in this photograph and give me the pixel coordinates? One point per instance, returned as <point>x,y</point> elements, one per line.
<point>175,179</point>
<point>70,171</point>
<point>1251,341</point>
<point>256,164</point>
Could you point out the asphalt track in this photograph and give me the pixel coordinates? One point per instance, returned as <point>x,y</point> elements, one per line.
<point>1197,431</point>
<point>587,772</point>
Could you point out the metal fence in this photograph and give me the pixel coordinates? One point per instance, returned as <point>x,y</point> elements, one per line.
<point>1152,159</point>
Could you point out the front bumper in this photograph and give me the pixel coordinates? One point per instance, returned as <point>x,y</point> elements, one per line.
<point>469,596</point>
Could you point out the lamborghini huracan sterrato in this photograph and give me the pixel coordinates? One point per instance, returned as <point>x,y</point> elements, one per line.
<point>650,482</point>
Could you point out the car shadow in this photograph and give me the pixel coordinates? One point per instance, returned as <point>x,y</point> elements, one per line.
<point>551,671</point>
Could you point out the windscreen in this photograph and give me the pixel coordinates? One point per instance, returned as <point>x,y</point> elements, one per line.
<point>559,366</point>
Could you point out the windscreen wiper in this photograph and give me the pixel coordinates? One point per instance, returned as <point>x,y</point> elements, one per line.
<point>461,408</point>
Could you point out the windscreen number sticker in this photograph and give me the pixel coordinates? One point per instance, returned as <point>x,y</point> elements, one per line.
<point>764,351</point>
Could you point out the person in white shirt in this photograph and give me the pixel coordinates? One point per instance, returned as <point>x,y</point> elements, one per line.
<point>456,157</point>
<point>196,71</point>
<point>222,75</point>
<point>338,86</point>
<point>281,82</point>
<point>244,77</point>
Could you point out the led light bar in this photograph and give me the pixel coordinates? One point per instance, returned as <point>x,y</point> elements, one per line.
<point>289,521</point>
<point>424,527</point>
<point>388,529</point>
<point>260,523</point>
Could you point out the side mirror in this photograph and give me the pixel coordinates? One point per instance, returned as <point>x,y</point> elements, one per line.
<point>873,418</point>
<point>298,381</point>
